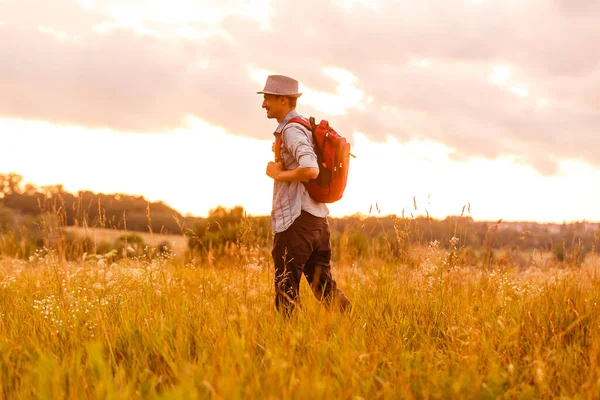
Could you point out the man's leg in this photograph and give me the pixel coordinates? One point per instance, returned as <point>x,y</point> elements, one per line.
<point>291,249</point>
<point>287,285</point>
<point>318,274</point>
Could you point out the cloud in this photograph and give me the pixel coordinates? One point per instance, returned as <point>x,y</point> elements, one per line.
<point>64,15</point>
<point>426,70</point>
<point>123,81</point>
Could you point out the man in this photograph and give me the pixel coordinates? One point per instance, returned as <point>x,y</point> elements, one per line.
<point>301,244</point>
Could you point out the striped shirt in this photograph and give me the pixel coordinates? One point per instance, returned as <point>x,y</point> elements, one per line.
<point>291,198</point>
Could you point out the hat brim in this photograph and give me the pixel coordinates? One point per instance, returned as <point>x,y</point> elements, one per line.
<point>281,94</point>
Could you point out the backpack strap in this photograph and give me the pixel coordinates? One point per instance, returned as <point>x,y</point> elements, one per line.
<point>278,140</point>
<point>311,126</point>
<point>300,121</point>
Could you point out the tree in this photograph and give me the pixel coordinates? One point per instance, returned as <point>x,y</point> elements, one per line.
<point>30,189</point>
<point>11,183</point>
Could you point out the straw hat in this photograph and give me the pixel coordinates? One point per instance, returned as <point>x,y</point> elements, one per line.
<point>280,85</point>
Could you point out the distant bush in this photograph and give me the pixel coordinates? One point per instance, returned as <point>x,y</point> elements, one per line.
<point>129,245</point>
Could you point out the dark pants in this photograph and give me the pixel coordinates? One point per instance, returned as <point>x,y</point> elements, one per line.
<point>305,248</point>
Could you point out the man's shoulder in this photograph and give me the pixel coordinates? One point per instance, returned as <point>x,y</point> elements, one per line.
<point>297,125</point>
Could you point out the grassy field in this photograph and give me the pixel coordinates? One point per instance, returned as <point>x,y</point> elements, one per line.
<point>161,327</point>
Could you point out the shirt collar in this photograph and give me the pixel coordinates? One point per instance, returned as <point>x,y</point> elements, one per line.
<point>290,115</point>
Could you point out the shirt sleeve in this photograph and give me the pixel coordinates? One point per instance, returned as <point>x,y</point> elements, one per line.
<point>300,146</point>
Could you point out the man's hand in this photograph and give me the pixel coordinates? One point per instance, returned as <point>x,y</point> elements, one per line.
<point>274,169</point>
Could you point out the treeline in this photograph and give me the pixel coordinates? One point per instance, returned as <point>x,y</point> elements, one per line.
<point>23,204</point>
<point>398,237</point>
<point>25,208</point>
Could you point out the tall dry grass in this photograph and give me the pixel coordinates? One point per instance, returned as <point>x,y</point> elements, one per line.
<point>160,326</point>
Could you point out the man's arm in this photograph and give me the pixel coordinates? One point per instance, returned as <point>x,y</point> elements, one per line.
<point>275,171</point>
<point>297,142</point>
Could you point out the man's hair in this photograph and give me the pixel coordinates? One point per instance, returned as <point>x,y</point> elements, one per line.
<point>292,101</point>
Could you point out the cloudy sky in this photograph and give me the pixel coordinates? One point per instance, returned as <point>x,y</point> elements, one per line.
<point>490,103</point>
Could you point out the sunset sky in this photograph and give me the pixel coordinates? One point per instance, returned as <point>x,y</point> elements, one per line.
<point>492,103</point>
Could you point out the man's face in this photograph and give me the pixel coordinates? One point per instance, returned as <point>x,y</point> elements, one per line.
<point>273,105</point>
